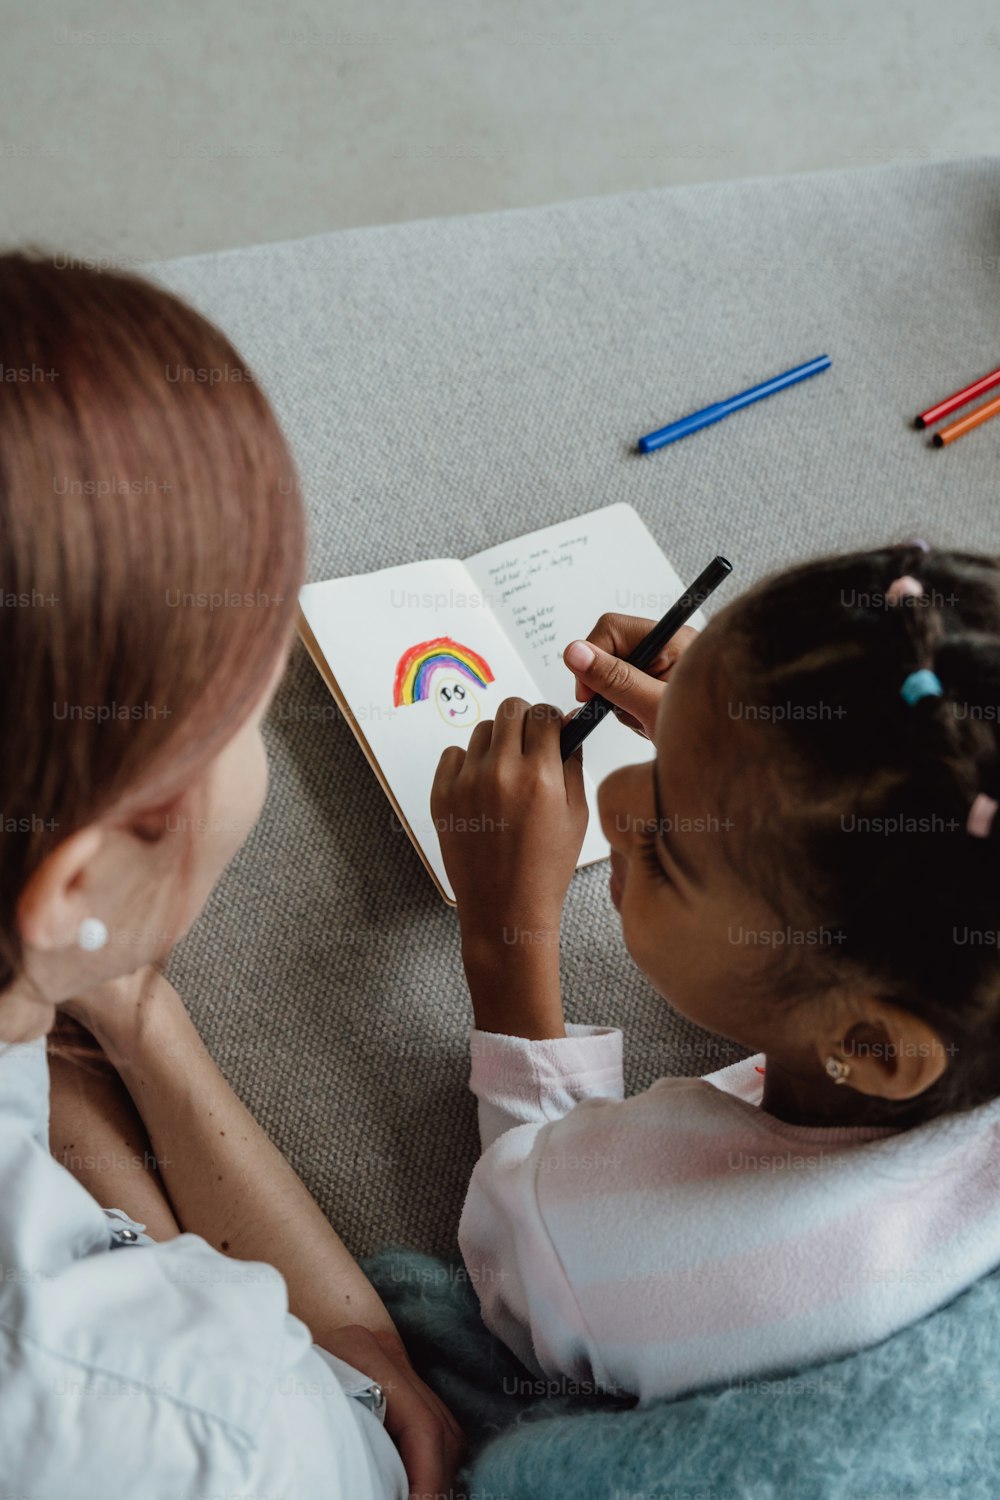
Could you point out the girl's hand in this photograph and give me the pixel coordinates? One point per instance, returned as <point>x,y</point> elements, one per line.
<point>635,694</point>
<point>511,819</point>
<point>430,1441</point>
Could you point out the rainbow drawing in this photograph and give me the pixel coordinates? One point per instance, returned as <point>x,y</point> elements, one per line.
<point>417,666</point>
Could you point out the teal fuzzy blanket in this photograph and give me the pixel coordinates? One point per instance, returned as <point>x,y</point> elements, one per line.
<point>916,1417</point>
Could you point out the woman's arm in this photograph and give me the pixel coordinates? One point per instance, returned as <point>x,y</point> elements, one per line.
<point>228,1183</point>
<point>225,1179</point>
<point>96,1131</point>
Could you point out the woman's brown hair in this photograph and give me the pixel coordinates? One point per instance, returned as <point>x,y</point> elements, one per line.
<point>152,543</point>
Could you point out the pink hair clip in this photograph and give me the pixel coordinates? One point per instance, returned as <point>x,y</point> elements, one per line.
<point>980,819</point>
<point>904,587</point>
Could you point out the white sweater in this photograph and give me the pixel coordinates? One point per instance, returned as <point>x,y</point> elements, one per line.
<point>684,1237</point>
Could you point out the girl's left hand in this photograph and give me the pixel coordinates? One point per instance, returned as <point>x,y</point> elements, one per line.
<point>511,817</point>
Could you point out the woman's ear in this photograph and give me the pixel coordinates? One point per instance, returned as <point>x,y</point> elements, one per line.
<point>55,900</point>
<point>891,1053</point>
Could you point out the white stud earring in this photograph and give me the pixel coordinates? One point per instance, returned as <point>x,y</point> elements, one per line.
<point>92,934</point>
<point>837,1068</point>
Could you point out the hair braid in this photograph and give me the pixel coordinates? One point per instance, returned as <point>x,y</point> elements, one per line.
<point>859,801</point>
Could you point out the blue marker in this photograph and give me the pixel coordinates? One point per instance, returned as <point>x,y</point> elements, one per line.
<point>720,409</point>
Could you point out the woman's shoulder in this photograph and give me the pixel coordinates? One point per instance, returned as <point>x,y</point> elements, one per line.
<point>24,1087</point>
<point>139,1370</point>
<point>80,1299</point>
<point>147,1359</point>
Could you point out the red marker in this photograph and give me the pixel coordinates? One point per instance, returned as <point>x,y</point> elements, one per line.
<point>961,398</point>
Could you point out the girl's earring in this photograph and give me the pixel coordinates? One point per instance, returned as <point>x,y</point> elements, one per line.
<point>92,934</point>
<point>837,1068</point>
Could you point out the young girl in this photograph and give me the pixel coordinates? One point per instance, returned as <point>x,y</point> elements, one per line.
<point>810,867</point>
<point>151,551</point>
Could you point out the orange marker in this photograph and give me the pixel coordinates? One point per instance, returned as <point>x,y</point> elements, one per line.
<point>966,424</point>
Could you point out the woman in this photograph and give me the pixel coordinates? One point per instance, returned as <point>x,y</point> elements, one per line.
<point>177,1317</point>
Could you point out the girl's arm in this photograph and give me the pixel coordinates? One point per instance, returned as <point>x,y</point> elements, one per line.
<point>511,819</point>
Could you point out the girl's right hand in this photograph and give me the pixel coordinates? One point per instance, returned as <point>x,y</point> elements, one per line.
<point>635,694</point>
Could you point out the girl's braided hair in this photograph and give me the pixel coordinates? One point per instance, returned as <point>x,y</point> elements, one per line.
<point>859,801</point>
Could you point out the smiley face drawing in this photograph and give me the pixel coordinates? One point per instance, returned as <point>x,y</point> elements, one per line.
<point>456,703</point>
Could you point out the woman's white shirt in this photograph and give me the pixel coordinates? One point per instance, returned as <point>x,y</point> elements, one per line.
<point>167,1370</point>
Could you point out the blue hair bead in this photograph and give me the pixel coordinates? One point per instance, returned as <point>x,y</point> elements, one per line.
<point>922,684</point>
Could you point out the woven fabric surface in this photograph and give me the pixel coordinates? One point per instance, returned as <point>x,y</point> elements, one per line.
<point>448,384</point>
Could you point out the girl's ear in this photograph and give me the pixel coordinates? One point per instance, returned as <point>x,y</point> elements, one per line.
<point>891,1054</point>
<point>55,900</point>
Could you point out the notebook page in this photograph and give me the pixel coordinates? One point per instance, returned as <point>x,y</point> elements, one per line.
<point>549,587</point>
<point>420,659</point>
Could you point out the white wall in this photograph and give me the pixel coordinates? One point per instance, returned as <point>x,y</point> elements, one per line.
<point>141,131</point>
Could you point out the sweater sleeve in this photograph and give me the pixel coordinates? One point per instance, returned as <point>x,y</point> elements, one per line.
<point>518,1082</point>
<point>525,1088</point>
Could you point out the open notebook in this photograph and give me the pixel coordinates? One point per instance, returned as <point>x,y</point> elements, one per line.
<point>416,655</point>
